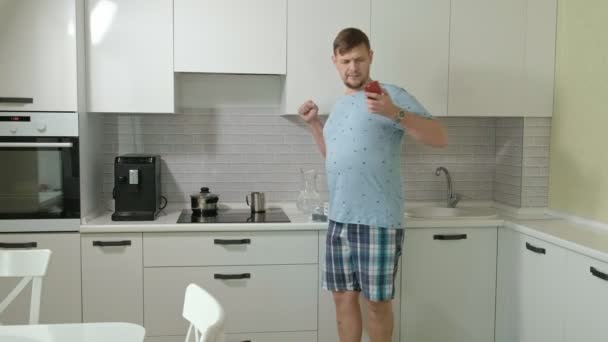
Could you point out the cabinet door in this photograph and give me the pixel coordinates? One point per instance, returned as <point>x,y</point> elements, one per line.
<point>328,331</point>
<point>530,289</point>
<point>61,297</point>
<point>541,19</point>
<point>312,27</point>
<point>112,278</point>
<point>256,299</point>
<point>587,295</point>
<point>130,56</point>
<point>301,336</point>
<point>449,283</point>
<point>38,59</point>
<point>230,36</point>
<point>411,43</point>
<point>487,52</point>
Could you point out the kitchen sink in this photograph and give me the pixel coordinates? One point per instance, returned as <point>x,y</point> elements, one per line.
<point>452,213</point>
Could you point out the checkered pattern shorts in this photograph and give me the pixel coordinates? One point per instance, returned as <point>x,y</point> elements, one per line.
<point>362,258</point>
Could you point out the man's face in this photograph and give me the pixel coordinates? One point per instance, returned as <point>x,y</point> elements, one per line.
<point>353,66</point>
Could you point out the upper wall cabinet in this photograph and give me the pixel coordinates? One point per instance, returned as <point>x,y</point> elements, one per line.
<point>501,57</point>
<point>130,56</point>
<point>410,40</point>
<point>312,27</point>
<point>231,36</point>
<point>38,55</point>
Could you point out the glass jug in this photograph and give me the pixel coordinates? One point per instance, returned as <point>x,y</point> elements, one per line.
<point>308,198</point>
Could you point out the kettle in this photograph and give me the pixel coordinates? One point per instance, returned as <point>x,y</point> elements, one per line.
<point>204,203</point>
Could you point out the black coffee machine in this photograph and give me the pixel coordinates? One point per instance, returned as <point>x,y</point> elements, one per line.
<point>136,187</point>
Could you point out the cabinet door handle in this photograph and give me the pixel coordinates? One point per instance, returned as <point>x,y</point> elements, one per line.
<point>112,243</point>
<point>535,249</point>
<point>599,274</point>
<point>450,237</point>
<point>232,276</point>
<point>16,100</point>
<point>11,245</point>
<point>232,242</point>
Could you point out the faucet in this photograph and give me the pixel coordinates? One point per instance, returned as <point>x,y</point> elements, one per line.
<point>452,198</point>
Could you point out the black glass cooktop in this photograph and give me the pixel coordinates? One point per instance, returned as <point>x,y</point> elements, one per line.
<point>235,216</point>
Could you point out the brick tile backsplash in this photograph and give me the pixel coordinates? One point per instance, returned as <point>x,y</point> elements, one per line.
<point>235,153</point>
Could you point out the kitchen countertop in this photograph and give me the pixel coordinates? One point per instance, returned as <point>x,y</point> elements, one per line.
<point>577,237</point>
<point>167,222</point>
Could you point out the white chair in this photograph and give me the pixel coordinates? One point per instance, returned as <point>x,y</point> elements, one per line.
<point>205,315</point>
<point>32,266</point>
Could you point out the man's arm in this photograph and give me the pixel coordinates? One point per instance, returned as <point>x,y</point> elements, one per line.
<point>309,112</point>
<point>316,128</point>
<point>424,129</point>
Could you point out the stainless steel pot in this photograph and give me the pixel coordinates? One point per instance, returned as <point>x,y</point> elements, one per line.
<point>204,203</point>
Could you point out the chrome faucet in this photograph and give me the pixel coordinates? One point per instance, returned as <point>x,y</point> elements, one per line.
<point>452,198</point>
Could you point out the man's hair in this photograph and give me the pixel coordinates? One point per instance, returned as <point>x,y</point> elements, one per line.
<point>348,39</point>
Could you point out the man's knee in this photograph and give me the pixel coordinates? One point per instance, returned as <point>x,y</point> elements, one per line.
<point>379,308</point>
<point>346,298</point>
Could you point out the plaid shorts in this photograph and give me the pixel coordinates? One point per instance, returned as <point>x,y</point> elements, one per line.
<point>362,258</point>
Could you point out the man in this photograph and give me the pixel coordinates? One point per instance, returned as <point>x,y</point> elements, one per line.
<point>361,143</point>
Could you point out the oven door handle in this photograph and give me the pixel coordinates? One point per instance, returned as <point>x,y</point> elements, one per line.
<point>35,144</point>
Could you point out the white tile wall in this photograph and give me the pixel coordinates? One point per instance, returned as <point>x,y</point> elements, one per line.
<point>509,151</point>
<point>234,152</point>
<point>535,171</point>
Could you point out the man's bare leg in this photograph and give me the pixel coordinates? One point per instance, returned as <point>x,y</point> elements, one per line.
<point>380,320</point>
<point>348,315</point>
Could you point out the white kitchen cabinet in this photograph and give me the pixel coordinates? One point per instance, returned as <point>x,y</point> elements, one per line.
<point>130,56</point>
<point>587,313</point>
<point>328,331</point>
<point>112,278</point>
<point>61,292</point>
<point>299,336</point>
<point>230,248</point>
<point>411,43</point>
<point>448,285</point>
<point>501,57</point>
<point>230,36</point>
<point>311,29</point>
<point>256,299</point>
<point>38,59</point>
<point>531,290</point>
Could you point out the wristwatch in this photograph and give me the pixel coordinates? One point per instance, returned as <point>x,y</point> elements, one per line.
<point>400,115</point>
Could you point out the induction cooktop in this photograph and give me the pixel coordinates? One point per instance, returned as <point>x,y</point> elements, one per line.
<point>274,215</point>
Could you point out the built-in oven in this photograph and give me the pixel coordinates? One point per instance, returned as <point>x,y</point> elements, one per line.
<point>39,173</point>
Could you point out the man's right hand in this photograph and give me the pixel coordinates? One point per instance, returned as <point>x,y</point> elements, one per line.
<point>309,112</point>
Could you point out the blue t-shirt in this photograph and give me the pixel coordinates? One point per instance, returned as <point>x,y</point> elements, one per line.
<point>363,160</point>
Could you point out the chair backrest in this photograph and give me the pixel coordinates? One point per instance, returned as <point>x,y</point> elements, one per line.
<point>205,315</point>
<point>32,266</point>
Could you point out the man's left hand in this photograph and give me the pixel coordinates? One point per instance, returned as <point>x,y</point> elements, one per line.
<point>381,104</point>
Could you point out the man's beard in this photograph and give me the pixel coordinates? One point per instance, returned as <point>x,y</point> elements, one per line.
<point>355,86</point>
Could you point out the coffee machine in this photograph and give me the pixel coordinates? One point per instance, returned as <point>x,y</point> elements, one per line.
<point>136,187</point>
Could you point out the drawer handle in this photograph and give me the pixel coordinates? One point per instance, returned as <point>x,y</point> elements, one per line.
<point>232,242</point>
<point>450,237</point>
<point>535,249</point>
<point>112,243</point>
<point>16,100</point>
<point>599,274</point>
<point>10,245</point>
<point>232,276</point>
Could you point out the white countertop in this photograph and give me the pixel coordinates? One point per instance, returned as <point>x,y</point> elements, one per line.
<point>167,222</point>
<point>578,237</point>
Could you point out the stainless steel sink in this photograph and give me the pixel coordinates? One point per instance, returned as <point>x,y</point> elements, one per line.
<point>452,213</point>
